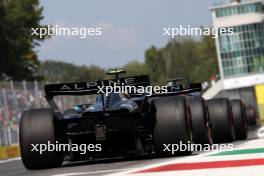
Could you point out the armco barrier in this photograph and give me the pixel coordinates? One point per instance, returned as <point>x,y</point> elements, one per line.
<point>9,152</point>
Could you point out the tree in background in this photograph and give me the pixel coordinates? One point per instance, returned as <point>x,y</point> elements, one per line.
<point>207,65</point>
<point>18,60</point>
<point>135,68</point>
<point>156,64</point>
<point>57,71</point>
<point>194,60</point>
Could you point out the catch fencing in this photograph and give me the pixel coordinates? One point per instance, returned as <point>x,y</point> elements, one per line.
<point>15,97</point>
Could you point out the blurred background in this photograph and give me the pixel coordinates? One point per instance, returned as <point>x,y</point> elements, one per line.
<point>132,39</point>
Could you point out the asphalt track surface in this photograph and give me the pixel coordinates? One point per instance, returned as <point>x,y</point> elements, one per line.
<point>15,167</point>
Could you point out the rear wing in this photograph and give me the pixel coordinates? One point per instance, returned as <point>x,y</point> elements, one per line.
<point>180,90</point>
<point>194,87</point>
<point>89,88</point>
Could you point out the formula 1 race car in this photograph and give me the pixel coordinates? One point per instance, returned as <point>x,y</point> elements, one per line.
<point>118,124</point>
<point>225,119</point>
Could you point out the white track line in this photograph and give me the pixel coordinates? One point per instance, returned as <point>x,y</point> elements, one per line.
<point>9,160</point>
<point>241,171</point>
<point>94,172</point>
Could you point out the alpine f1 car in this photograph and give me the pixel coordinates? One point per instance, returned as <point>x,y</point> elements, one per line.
<point>119,124</point>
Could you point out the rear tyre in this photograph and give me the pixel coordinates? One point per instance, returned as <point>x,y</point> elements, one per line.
<point>200,121</point>
<point>37,127</point>
<point>240,121</point>
<point>251,116</point>
<point>220,113</point>
<point>171,125</point>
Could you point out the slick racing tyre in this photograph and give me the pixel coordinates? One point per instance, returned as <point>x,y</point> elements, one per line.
<point>251,116</point>
<point>201,127</point>
<point>171,125</point>
<point>240,121</point>
<point>37,127</point>
<point>220,113</point>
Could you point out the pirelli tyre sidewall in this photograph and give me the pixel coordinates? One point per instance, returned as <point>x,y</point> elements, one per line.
<point>220,112</point>
<point>37,127</point>
<point>171,124</point>
<point>200,121</point>
<point>240,121</point>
